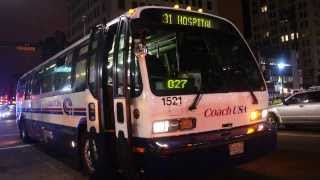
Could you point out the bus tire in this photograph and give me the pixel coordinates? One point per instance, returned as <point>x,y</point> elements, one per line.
<point>24,135</point>
<point>85,151</point>
<point>94,162</point>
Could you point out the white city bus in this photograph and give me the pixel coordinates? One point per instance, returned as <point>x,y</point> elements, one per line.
<point>151,89</point>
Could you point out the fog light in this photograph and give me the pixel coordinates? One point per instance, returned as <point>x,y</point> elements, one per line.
<point>250,131</point>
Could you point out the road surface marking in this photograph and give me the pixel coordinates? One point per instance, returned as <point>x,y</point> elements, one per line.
<point>16,147</point>
<point>298,135</point>
<point>10,135</point>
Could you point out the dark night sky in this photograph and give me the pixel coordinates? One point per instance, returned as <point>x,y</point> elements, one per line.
<point>26,21</point>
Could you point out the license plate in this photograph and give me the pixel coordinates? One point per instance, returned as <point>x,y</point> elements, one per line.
<point>236,148</point>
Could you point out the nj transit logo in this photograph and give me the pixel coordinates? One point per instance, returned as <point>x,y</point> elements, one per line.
<point>67,106</point>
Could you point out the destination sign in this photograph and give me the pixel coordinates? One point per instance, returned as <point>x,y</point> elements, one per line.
<point>187,20</point>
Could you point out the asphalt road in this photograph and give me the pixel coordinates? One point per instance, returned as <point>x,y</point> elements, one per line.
<point>296,158</point>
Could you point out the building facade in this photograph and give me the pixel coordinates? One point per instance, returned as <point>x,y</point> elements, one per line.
<point>83,14</point>
<point>288,25</point>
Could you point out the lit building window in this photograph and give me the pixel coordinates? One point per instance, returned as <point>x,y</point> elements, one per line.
<point>287,38</point>
<point>282,38</point>
<point>292,36</point>
<point>267,35</point>
<point>297,35</point>
<point>264,9</point>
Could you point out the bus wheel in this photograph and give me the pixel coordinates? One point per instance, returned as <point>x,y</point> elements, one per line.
<point>24,133</point>
<point>89,155</point>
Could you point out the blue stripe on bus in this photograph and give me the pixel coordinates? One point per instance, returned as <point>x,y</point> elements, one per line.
<point>55,111</point>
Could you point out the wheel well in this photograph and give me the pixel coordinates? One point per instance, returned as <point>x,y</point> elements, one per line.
<point>274,115</point>
<point>81,130</point>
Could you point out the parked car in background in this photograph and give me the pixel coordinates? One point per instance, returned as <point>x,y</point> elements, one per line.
<point>7,111</point>
<point>302,108</point>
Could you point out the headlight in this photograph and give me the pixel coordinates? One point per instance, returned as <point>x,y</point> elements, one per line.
<point>174,125</point>
<point>255,115</point>
<point>161,126</point>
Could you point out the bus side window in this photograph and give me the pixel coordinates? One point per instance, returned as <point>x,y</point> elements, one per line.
<point>47,78</point>
<point>80,70</point>
<point>27,94</point>
<point>62,74</point>
<point>35,84</point>
<point>21,89</point>
<point>93,67</point>
<point>119,84</point>
<point>108,78</point>
<point>135,77</point>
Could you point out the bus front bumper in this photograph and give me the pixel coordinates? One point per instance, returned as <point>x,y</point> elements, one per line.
<point>206,150</point>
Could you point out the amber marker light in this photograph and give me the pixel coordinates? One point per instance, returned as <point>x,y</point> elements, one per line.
<point>139,150</point>
<point>250,130</point>
<point>255,115</point>
<point>131,11</point>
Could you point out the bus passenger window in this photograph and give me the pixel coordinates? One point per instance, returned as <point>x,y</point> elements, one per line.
<point>135,77</point>
<point>35,85</point>
<point>93,72</point>
<point>62,74</point>
<point>80,75</point>
<point>27,95</point>
<point>47,83</point>
<point>120,65</point>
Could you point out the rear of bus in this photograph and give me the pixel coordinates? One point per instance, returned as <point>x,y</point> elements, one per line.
<point>203,94</point>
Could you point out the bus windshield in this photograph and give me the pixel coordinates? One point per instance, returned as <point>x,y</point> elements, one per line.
<point>187,60</point>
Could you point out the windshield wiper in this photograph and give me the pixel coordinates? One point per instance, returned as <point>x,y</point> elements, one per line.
<point>254,97</point>
<point>196,100</point>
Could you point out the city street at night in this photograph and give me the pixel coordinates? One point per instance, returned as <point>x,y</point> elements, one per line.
<point>296,158</point>
<point>159,90</point>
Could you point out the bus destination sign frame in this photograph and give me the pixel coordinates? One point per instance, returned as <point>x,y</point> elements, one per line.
<point>172,18</point>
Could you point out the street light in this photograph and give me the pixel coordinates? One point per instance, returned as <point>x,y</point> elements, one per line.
<point>281,66</point>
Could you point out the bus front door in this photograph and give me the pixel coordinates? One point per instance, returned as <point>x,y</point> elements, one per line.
<point>123,127</point>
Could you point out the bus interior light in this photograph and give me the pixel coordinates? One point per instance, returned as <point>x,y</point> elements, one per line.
<point>176,6</point>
